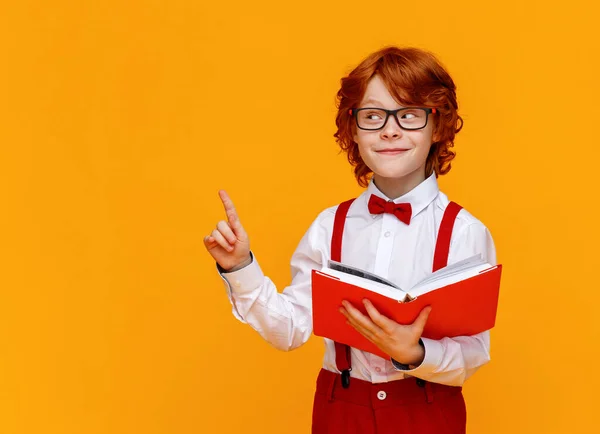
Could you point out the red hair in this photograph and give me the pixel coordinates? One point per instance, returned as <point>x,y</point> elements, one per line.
<point>414,77</point>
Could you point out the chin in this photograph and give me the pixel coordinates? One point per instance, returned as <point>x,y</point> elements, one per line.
<point>387,172</point>
<point>395,173</point>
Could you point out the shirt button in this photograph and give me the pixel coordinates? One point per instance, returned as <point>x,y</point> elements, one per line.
<point>387,234</point>
<point>381,395</point>
<point>237,283</point>
<point>377,369</point>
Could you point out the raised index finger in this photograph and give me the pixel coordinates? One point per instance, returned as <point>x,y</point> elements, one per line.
<point>230,211</point>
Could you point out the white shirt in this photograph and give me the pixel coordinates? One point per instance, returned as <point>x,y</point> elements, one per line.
<point>377,243</point>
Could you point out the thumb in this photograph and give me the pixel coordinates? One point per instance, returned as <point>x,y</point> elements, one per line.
<point>421,320</point>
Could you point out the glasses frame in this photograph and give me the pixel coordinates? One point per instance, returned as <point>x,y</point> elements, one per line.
<point>428,111</point>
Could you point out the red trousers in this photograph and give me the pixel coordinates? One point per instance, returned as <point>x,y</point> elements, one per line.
<point>407,406</point>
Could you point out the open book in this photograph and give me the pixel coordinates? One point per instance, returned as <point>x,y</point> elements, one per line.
<point>463,297</point>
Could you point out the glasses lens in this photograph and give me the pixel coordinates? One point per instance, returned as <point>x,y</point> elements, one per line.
<point>410,118</point>
<point>370,119</point>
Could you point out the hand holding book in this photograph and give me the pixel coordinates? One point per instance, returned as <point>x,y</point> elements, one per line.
<point>463,297</point>
<point>400,341</point>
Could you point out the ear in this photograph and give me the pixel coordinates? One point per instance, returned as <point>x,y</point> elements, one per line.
<point>354,135</point>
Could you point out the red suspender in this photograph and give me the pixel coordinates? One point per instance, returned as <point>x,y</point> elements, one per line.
<point>342,352</point>
<point>338,230</point>
<point>440,260</point>
<point>442,246</point>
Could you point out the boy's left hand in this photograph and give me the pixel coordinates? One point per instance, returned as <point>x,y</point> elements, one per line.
<point>401,342</point>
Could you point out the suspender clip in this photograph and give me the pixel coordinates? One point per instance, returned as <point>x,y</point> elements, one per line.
<point>346,378</point>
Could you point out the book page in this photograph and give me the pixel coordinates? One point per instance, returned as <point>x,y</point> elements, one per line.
<point>445,276</point>
<point>364,279</point>
<point>449,278</point>
<point>334,265</point>
<point>452,269</point>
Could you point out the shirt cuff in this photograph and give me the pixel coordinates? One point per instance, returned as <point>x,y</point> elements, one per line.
<point>434,352</point>
<point>243,280</point>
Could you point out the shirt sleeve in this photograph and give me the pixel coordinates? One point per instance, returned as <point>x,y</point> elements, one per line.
<point>452,360</point>
<point>282,319</point>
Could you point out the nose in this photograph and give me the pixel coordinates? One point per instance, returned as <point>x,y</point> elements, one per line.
<point>391,129</point>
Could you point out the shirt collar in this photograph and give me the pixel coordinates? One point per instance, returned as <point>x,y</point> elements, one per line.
<point>419,197</point>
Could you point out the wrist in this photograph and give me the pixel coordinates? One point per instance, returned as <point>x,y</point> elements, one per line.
<point>241,265</point>
<point>413,355</point>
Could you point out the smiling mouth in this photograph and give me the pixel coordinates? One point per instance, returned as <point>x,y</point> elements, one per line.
<point>391,151</point>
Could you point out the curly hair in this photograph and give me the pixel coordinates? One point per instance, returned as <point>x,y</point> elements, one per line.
<point>413,77</point>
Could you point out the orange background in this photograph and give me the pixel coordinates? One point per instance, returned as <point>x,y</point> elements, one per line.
<point>119,122</point>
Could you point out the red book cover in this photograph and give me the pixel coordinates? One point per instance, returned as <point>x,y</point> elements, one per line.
<point>463,308</point>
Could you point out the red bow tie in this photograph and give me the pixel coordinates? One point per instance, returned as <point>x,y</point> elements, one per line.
<point>403,211</point>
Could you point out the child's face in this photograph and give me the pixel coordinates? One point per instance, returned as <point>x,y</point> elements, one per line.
<point>392,152</point>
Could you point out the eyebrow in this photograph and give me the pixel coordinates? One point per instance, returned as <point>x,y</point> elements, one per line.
<point>374,101</point>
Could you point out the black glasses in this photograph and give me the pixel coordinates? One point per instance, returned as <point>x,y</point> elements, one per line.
<point>411,118</point>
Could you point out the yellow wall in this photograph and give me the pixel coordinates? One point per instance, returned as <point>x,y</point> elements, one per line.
<point>119,122</point>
